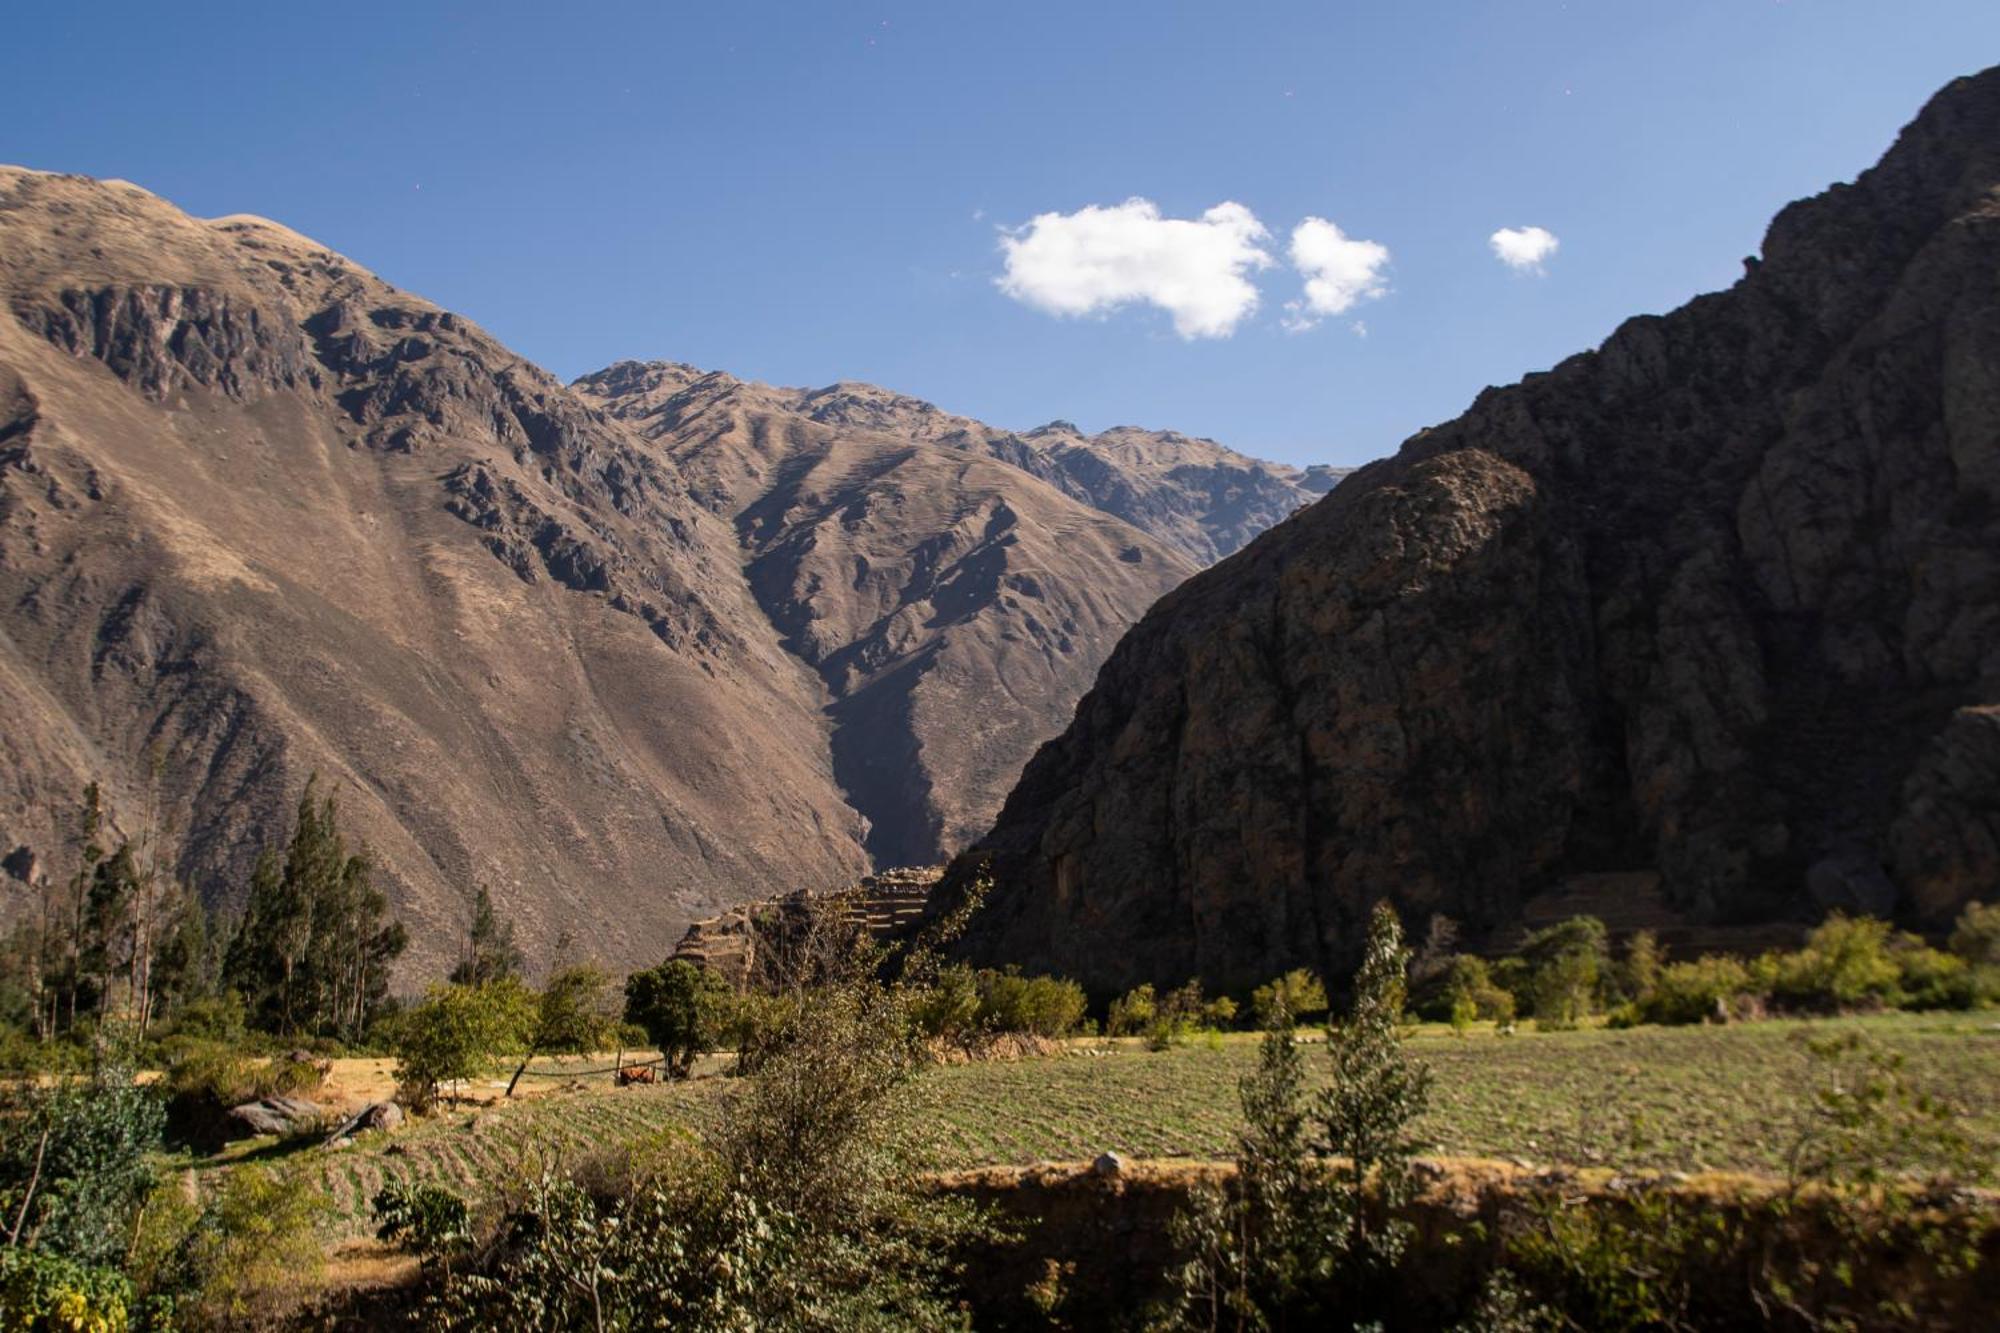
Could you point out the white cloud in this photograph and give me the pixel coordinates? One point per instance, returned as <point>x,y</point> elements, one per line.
<point>1340,272</point>
<point>1097,259</point>
<point>1523,248</point>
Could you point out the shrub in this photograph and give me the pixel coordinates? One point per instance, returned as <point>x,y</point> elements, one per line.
<point>1566,965</point>
<point>1639,970</point>
<point>1300,992</point>
<point>1040,1006</point>
<point>1845,964</point>
<point>75,1164</point>
<point>1930,979</point>
<point>1471,994</point>
<point>1695,992</point>
<point>429,1220</point>
<point>42,1292</point>
<point>1132,1012</point>
<point>1976,936</point>
<point>949,1006</point>
<point>250,1255</point>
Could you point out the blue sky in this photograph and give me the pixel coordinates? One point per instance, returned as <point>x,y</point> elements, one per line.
<point>815,191</point>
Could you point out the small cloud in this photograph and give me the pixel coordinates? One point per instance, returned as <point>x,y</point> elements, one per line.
<point>1360,327</point>
<point>1524,248</point>
<point>1340,272</point>
<point>1097,259</point>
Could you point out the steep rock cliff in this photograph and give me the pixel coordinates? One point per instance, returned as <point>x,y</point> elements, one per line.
<point>1720,600</point>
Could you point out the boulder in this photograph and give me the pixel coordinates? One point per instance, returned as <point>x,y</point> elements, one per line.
<point>285,1117</point>
<point>384,1116</point>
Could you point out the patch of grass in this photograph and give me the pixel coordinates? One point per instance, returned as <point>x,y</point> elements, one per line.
<point>1644,1098</point>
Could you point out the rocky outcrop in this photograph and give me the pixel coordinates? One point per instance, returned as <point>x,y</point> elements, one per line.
<point>1720,600</point>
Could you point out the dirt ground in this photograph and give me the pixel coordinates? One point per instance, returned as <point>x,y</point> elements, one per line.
<point>356,1082</point>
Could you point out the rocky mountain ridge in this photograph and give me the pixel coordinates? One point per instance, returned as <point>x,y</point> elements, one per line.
<point>955,606</point>
<point>264,515</point>
<point>1193,494</point>
<point>1716,606</point>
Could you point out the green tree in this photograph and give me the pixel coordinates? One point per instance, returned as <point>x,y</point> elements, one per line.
<point>1301,1243</point>
<point>455,1034</point>
<point>315,946</point>
<point>1567,965</point>
<point>1376,1095</point>
<point>490,950</point>
<point>684,1009</point>
<point>574,1014</point>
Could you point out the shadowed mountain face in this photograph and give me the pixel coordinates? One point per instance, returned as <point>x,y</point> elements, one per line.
<point>265,513</point>
<point>1719,601</point>
<point>954,605</point>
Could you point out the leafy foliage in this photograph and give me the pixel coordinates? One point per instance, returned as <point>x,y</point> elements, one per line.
<point>313,953</point>
<point>490,951</point>
<point>1298,994</point>
<point>574,1014</point>
<point>1300,1242</point>
<point>684,1008</point>
<point>456,1034</point>
<point>75,1164</point>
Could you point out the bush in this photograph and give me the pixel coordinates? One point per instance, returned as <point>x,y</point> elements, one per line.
<point>1039,1006</point>
<point>1845,964</point>
<point>1976,936</point>
<point>1470,993</point>
<point>1567,964</point>
<point>1300,993</point>
<point>42,1292</point>
<point>1930,979</point>
<point>1132,1012</point>
<point>247,1257</point>
<point>949,1006</point>
<point>1639,971</point>
<point>1696,992</point>
<point>76,1164</point>
<point>429,1220</point>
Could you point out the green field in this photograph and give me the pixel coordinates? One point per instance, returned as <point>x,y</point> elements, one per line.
<point>1663,1098</point>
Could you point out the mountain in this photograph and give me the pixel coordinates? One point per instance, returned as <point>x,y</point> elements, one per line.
<point>1197,496</point>
<point>955,606</point>
<point>1712,613</point>
<point>630,653</point>
<point>264,513</point>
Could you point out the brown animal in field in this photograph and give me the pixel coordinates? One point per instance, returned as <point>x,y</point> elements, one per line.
<point>631,1074</point>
